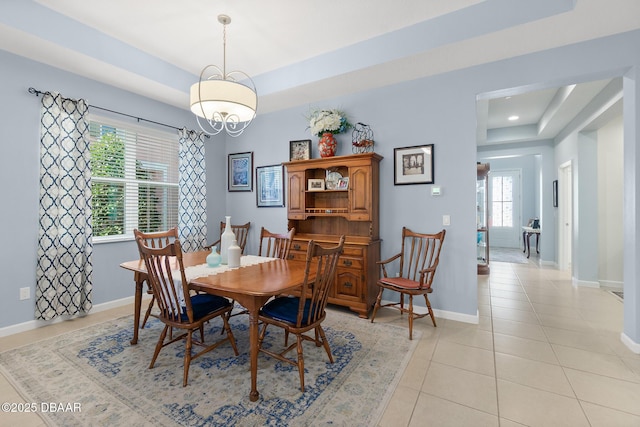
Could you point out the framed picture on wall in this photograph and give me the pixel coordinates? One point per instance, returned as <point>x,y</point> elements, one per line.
<point>269,186</point>
<point>413,165</point>
<point>240,171</point>
<point>300,150</point>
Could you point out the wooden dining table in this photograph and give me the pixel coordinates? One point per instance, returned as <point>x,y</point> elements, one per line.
<point>251,286</point>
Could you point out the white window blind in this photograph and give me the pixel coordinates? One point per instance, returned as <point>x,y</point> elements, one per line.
<point>134,179</point>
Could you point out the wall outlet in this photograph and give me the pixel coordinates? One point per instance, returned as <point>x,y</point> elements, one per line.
<point>25,293</point>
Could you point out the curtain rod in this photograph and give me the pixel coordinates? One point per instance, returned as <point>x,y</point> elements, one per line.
<point>37,92</point>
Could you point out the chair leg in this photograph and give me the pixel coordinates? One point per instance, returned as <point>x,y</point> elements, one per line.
<point>228,315</point>
<point>376,306</point>
<point>262,334</point>
<point>433,317</point>
<point>300,364</point>
<point>286,338</point>
<point>187,358</point>
<point>230,336</point>
<point>325,343</point>
<point>148,313</point>
<point>163,334</point>
<point>410,315</point>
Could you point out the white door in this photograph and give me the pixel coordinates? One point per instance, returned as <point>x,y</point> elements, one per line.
<point>565,190</point>
<point>504,208</point>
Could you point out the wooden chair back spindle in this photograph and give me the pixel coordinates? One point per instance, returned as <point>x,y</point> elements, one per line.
<point>275,245</point>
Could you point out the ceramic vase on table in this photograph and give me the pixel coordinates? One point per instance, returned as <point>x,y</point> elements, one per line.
<point>226,239</point>
<point>234,255</point>
<point>214,258</point>
<point>327,145</point>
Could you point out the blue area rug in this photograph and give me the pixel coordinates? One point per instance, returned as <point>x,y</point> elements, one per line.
<point>98,369</point>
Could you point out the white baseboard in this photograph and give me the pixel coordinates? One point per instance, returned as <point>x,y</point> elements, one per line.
<point>611,284</point>
<point>35,324</point>
<point>585,283</point>
<point>633,346</point>
<point>443,314</point>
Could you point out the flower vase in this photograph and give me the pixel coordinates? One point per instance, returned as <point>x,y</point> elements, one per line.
<point>226,239</point>
<point>327,145</point>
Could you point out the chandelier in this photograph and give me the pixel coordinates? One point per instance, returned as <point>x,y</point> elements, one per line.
<point>221,100</point>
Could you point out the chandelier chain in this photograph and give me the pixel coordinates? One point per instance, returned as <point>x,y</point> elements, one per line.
<point>224,51</point>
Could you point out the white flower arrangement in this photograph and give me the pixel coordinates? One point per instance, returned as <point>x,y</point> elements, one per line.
<point>334,121</point>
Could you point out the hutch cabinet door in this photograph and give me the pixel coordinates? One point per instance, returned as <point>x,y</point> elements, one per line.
<point>296,195</point>
<point>360,193</point>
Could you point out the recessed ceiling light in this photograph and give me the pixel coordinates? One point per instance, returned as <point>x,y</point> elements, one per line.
<point>513,118</point>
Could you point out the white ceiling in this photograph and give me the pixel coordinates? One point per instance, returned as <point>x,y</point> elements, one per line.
<point>303,52</point>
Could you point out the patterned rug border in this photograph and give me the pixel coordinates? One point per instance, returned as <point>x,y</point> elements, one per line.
<point>374,419</point>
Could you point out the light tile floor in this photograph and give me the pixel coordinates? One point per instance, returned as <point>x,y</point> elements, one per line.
<point>544,353</point>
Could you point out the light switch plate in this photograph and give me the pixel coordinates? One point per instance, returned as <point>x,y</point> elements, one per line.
<point>446,220</point>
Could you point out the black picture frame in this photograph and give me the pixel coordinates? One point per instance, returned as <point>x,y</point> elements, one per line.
<point>270,186</point>
<point>413,165</point>
<point>300,150</point>
<point>555,193</point>
<point>240,172</point>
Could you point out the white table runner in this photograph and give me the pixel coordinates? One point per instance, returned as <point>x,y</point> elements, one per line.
<point>203,270</point>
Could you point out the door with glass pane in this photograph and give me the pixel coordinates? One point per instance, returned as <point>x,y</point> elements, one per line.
<point>504,208</point>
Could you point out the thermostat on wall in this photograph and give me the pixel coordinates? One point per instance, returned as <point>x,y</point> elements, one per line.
<point>436,191</point>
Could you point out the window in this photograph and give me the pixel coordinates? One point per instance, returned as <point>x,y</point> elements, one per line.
<point>502,201</point>
<point>134,179</point>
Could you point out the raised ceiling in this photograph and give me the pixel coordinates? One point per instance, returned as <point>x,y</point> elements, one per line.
<point>301,53</point>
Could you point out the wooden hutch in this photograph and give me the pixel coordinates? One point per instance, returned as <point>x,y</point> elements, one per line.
<point>323,215</point>
<point>482,215</point>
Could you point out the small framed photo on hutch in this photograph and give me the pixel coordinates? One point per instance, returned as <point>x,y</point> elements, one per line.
<point>413,165</point>
<point>315,185</point>
<point>343,183</point>
<point>240,172</point>
<point>300,150</point>
<point>269,186</point>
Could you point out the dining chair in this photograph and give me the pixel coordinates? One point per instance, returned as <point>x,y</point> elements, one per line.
<point>299,314</point>
<point>240,230</point>
<point>158,239</point>
<point>272,245</point>
<point>178,309</point>
<point>418,257</point>
<point>275,245</point>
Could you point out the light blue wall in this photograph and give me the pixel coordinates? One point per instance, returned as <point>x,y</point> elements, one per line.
<point>439,110</point>
<point>19,121</point>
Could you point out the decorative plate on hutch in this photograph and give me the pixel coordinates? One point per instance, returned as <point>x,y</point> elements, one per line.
<point>331,182</point>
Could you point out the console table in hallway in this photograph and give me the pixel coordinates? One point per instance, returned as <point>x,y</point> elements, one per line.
<point>526,239</point>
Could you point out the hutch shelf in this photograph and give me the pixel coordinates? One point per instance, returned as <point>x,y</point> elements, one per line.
<point>348,205</point>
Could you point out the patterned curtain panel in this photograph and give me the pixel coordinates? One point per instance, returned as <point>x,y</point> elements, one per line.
<point>64,269</point>
<point>192,222</point>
